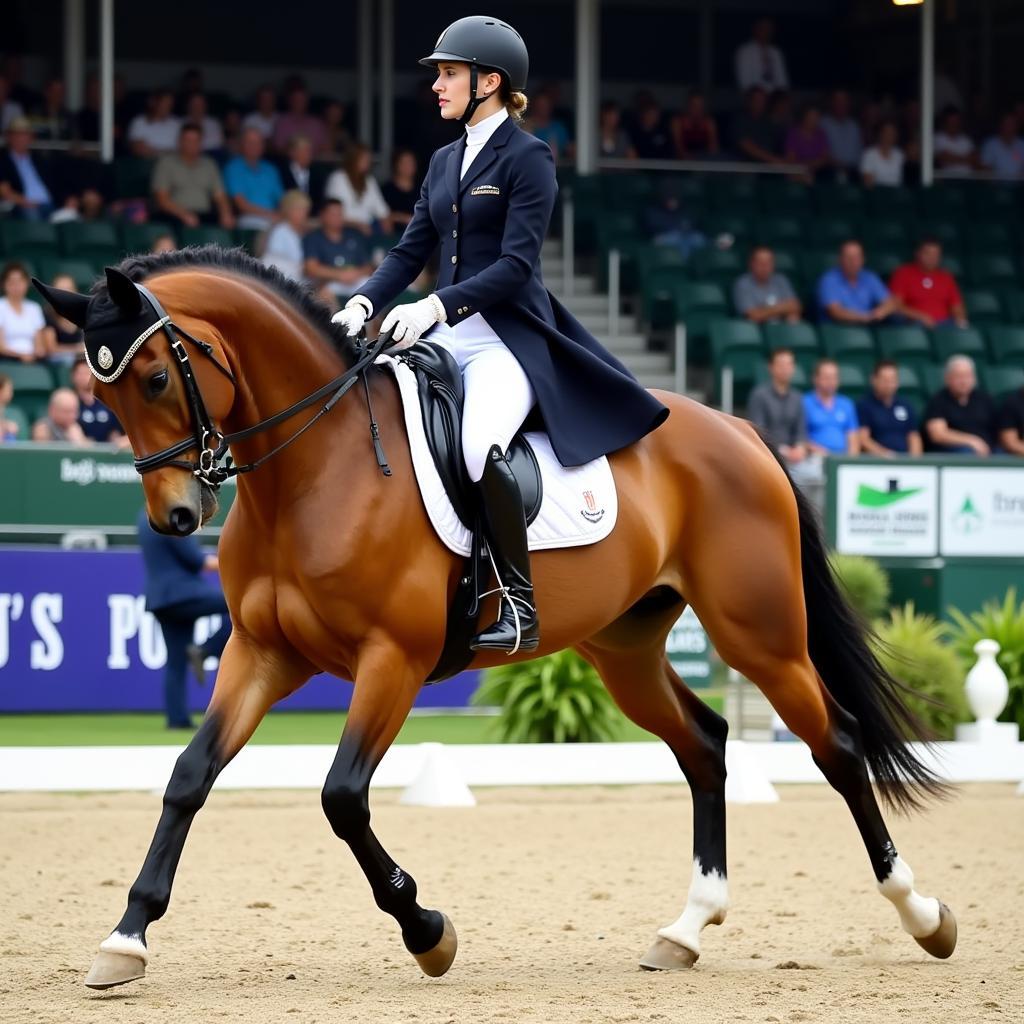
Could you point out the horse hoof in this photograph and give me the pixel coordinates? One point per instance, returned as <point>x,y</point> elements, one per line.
<point>942,941</point>
<point>110,969</point>
<point>436,961</point>
<point>665,955</point>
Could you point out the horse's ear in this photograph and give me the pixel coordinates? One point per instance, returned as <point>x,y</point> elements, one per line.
<point>123,292</point>
<point>69,305</point>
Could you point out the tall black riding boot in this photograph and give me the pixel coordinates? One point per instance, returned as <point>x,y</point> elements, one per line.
<point>505,528</point>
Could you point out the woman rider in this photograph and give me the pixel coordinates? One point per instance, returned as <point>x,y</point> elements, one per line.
<point>487,201</point>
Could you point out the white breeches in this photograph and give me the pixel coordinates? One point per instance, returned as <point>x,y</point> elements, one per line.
<point>498,393</point>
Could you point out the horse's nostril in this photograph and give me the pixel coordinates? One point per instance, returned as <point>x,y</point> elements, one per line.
<point>182,521</point>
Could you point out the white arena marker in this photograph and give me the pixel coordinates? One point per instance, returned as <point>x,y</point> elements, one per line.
<point>438,783</point>
<point>746,781</point>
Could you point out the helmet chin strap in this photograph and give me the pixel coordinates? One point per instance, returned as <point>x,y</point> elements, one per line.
<point>474,100</point>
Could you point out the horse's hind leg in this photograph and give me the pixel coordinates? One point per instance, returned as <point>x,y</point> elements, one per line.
<point>244,692</point>
<point>647,689</point>
<point>386,686</point>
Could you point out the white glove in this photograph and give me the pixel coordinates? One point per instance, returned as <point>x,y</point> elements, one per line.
<point>412,320</point>
<point>352,317</point>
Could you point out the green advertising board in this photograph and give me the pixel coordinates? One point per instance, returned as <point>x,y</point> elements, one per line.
<point>689,650</point>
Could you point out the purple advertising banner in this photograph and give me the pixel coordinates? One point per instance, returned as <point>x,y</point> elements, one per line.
<point>75,636</point>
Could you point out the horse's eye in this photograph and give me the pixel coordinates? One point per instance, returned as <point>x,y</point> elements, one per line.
<point>157,383</point>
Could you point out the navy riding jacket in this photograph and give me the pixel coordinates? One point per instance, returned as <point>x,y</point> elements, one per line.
<point>490,227</point>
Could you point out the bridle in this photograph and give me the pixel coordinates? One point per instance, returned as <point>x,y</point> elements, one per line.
<point>212,465</point>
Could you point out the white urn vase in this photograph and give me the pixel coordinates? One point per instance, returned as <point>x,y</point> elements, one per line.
<point>987,692</point>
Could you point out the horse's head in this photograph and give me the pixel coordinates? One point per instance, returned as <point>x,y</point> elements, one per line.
<point>168,389</point>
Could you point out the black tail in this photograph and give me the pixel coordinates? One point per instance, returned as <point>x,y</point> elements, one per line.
<point>838,643</point>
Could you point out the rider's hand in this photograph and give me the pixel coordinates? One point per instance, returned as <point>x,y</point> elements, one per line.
<point>411,320</point>
<point>352,317</point>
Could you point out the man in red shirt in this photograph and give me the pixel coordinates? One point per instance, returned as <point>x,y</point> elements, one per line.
<point>926,293</point>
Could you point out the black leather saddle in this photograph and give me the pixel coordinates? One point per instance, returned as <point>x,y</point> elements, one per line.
<point>441,395</point>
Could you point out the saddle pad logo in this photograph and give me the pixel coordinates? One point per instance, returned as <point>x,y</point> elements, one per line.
<point>485,190</point>
<point>591,513</point>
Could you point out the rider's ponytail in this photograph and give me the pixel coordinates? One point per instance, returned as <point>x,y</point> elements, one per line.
<point>516,105</point>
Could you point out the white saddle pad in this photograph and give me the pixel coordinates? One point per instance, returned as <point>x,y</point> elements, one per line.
<point>579,505</point>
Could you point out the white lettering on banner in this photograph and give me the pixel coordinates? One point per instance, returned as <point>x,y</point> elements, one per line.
<point>87,471</point>
<point>47,653</point>
<point>983,511</point>
<point>152,651</point>
<point>123,626</point>
<point>11,607</point>
<point>887,510</point>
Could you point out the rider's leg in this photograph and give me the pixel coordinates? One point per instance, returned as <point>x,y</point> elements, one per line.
<point>498,398</point>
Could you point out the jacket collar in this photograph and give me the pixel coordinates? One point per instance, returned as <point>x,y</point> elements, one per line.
<point>483,160</point>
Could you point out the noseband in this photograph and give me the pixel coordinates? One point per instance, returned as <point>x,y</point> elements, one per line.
<point>213,465</point>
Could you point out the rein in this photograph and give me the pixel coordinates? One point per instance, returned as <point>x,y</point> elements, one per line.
<point>213,465</point>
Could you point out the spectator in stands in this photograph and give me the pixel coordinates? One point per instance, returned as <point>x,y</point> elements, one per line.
<point>24,336</point>
<point>297,120</point>
<point>197,112</point>
<point>1010,422</point>
<point>163,243</point>
<point>758,62</point>
<point>850,293</point>
<point>66,341</point>
<point>187,185</point>
<point>668,222</point>
<point>51,117</point>
<point>98,423</point>
<point>253,183</point>
<point>961,418</point>
<point>284,242</point>
<point>756,136</point>
<point>541,122</point>
<point>888,424</point>
<point>954,150</point>
<point>762,294</point>
<point>780,113</point>
<point>9,427</point>
<point>156,132</point>
<point>882,164</point>
<point>777,409</point>
<point>401,193</point>
<point>297,172</point>
<point>9,108</point>
<point>13,69</point>
<point>694,132</point>
<point>32,185</point>
<point>191,83</point>
<point>359,194</point>
<point>832,425</point>
<point>651,137</point>
<point>843,133</point>
<point>264,117</point>
<point>61,420</point>
<point>612,140</point>
<point>338,138</point>
<point>337,258</point>
<point>1003,154</point>
<point>807,144</point>
<point>925,292</point>
<point>177,595</point>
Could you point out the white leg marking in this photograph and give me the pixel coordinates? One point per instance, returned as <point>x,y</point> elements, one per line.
<point>706,903</point>
<point>133,945</point>
<point>919,915</point>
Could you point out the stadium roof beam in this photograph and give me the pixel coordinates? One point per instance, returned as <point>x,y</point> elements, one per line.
<point>386,138</point>
<point>107,80</point>
<point>587,61</point>
<point>74,52</point>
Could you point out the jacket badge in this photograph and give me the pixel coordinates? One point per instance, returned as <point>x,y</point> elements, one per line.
<point>485,190</point>
<point>591,513</point>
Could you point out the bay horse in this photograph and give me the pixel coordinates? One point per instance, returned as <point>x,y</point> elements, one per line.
<point>330,566</point>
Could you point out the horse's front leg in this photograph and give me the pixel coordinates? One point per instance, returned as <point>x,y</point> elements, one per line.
<point>385,687</point>
<point>249,681</point>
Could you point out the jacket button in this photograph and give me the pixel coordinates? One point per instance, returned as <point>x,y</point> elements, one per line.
<point>455,259</point>
<point>455,234</point>
<point>455,209</point>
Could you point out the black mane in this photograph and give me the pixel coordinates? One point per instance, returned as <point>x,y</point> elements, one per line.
<point>237,261</point>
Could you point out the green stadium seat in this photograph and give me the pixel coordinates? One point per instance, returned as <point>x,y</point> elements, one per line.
<point>945,201</point>
<point>989,200</point>
<point>779,196</point>
<point>814,263</point>
<point>989,236</point>
<point>983,306</point>
<point>137,238</point>
<point>658,294</point>
<point>953,264</point>
<point>948,232</point>
<point>730,192</point>
<point>999,381</point>
<point>800,337</point>
<point>989,270</point>
<point>21,420</point>
<point>912,384</point>
<point>932,377</point>
<point>853,380</point>
<point>206,234</point>
<point>841,342</point>
<point>951,341</point>
<point>1013,304</point>
<point>701,295</point>
<point>28,239</point>
<point>732,334</point>
<point>909,345</point>
<point>250,239</point>
<point>700,305</point>
<point>779,230</point>
<point>80,239</point>
<point>690,189</point>
<point>785,263</point>
<point>627,192</point>
<point>132,177</point>
<point>840,199</point>
<point>738,345</point>
<point>713,261</point>
<point>891,203</point>
<point>740,227</point>
<point>83,272</point>
<point>829,229</point>
<point>33,383</point>
<point>1006,343</point>
<point>884,233</point>
<point>884,261</point>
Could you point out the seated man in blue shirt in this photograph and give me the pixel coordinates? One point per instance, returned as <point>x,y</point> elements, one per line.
<point>850,294</point>
<point>832,426</point>
<point>254,184</point>
<point>888,424</point>
<point>337,259</point>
